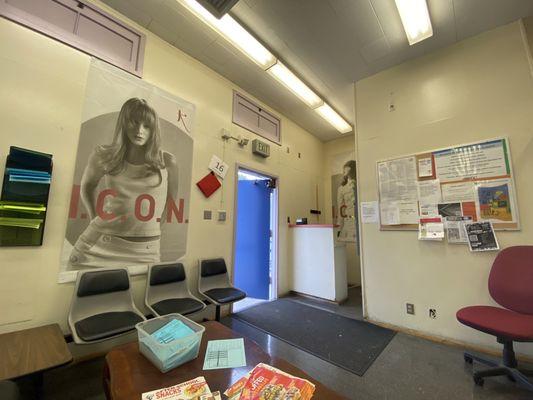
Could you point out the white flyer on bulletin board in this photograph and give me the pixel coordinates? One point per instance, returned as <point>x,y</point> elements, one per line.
<point>425,167</point>
<point>369,212</point>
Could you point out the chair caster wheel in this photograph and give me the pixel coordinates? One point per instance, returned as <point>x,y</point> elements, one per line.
<point>479,381</point>
<point>468,359</point>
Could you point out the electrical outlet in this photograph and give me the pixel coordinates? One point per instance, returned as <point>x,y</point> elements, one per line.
<point>222,215</point>
<point>432,313</point>
<point>208,214</point>
<point>410,308</point>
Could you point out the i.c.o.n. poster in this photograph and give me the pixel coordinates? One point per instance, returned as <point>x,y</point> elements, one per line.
<point>130,195</point>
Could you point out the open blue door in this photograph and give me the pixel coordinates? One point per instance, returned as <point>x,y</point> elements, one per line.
<point>252,250</point>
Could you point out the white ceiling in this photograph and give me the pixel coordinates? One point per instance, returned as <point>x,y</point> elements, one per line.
<point>329,43</point>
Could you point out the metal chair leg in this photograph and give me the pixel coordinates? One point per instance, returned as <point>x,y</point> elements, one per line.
<point>469,358</point>
<point>522,380</point>
<point>217,313</point>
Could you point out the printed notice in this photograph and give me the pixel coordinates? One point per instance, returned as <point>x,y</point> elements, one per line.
<point>455,229</point>
<point>429,191</point>
<point>462,191</point>
<point>484,160</point>
<point>398,180</point>
<point>390,213</point>
<point>481,236</point>
<point>369,212</point>
<point>429,210</point>
<point>227,353</point>
<point>408,211</point>
<point>431,229</point>
<point>425,167</point>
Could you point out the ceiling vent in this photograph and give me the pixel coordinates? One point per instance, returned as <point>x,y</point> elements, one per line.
<point>218,7</point>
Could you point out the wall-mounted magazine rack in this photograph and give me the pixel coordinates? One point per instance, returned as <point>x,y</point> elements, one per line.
<point>24,198</point>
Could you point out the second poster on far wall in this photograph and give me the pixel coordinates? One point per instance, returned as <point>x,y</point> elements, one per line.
<point>130,196</point>
<point>344,196</point>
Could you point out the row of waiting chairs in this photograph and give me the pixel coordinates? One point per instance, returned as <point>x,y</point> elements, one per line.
<point>103,308</point>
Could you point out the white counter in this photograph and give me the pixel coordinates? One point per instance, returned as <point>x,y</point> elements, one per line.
<point>319,262</point>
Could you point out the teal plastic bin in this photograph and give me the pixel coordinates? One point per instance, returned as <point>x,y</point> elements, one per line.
<point>167,356</point>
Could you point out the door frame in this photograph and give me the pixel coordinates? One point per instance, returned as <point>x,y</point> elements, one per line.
<point>275,230</point>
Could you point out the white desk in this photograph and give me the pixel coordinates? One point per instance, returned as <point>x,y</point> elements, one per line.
<point>319,262</point>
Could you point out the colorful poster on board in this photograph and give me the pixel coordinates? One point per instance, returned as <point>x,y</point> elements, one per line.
<point>132,180</point>
<point>495,201</point>
<point>344,195</point>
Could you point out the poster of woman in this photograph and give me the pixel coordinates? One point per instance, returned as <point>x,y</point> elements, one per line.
<point>129,200</point>
<point>344,195</point>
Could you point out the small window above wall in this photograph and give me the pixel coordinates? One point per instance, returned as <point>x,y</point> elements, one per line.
<point>253,117</point>
<point>82,26</point>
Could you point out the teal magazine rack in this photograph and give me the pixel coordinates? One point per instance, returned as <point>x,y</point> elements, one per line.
<point>24,198</point>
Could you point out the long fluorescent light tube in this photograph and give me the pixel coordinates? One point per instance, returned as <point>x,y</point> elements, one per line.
<point>333,118</point>
<point>235,33</point>
<point>295,85</point>
<point>415,19</point>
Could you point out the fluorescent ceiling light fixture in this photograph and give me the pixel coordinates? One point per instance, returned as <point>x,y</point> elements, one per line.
<point>235,33</point>
<point>333,118</point>
<point>295,85</point>
<point>415,19</point>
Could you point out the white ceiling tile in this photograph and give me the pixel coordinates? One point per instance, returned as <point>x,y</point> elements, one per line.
<point>131,10</point>
<point>474,16</point>
<point>167,34</point>
<point>329,43</point>
<point>375,50</point>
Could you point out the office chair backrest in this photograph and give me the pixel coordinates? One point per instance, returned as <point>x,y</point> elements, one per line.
<point>511,279</point>
<point>213,274</point>
<point>101,291</point>
<point>166,281</point>
<point>102,282</point>
<point>216,266</point>
<point>169,273</point>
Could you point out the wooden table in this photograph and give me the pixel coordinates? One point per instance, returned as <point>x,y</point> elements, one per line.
<point>31,352</point>
<point>128,373</point>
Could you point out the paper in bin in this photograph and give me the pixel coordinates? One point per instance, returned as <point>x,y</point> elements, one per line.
<point>171,331</point>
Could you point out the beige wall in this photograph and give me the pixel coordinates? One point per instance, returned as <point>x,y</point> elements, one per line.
<point>331,149</point>
<point>477,89</point>
<point>41,97</point>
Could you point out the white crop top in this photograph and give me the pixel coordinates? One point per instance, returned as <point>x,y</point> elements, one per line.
<point>137,198</point>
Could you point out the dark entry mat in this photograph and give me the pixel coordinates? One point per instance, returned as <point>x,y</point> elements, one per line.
<point>347,343</point>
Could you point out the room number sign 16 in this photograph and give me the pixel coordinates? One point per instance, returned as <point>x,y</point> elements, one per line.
<point>218,166</point>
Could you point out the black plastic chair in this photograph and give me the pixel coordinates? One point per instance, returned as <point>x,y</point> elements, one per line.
<point>215,285</point>
<point>167,291</point>
<point>102,306</point>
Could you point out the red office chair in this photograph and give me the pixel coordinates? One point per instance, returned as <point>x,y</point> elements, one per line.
<point>511,286</point>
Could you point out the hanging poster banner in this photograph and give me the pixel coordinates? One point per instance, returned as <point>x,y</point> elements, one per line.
<point>130,196</point>
<point>344,195</point>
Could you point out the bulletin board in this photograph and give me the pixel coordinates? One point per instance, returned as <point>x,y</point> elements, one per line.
<point>473,180</point>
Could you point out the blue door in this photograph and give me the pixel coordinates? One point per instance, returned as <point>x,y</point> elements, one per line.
<point>252,249</point>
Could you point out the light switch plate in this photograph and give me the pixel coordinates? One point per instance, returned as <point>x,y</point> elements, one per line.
<point>222,215</point>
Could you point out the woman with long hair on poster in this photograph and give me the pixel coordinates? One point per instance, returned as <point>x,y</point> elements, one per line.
<point>346,204</point>
<point>138,180</point>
